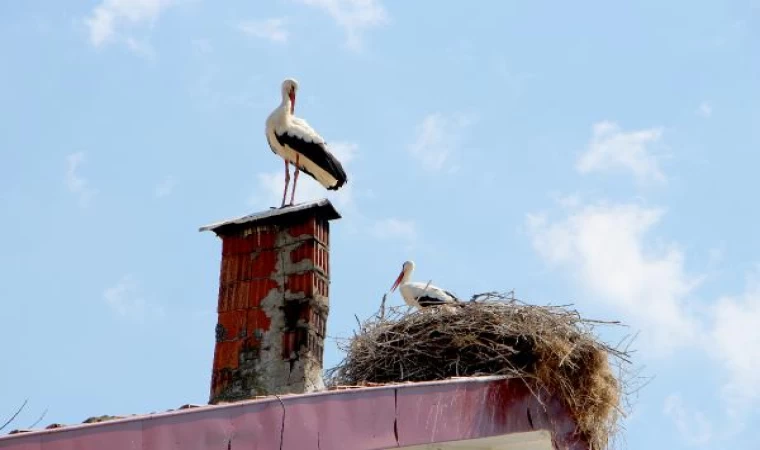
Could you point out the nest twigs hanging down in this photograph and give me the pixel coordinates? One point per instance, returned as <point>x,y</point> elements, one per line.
<point>552,348</point>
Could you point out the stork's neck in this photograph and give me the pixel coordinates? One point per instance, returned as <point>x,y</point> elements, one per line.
<point>407,274</point>
<point>286,103</point>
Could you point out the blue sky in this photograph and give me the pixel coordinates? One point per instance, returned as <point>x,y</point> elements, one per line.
<point>592,153</point>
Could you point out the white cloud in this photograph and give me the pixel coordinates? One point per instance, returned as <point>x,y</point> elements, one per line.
<point>605,247</point>
<point>109,15</point>
<point>271,184</point>
<point>735,341</point>
<point>354,16</point>
<point>692,425</point>
<point>271,29</point>
<point>392,228</point>
<point>75,182</point>
<point>125,300</point>
<point>613,149</point>
<point>165,187</point>
<point>704,110</point>
<point>140,47</point>
<point>344,151</point>
<point>437,138</point>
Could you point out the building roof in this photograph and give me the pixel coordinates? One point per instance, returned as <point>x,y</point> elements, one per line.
<point>496,413</point>
<point>321,208</point>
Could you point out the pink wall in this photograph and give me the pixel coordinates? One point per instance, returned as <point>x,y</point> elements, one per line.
<point>357,419</point>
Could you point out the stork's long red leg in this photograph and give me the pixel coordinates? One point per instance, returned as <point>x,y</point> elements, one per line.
<point>295,178</point>
<point>287,181</point>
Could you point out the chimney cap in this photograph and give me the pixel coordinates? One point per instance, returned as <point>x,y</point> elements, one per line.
<point>322,208</point>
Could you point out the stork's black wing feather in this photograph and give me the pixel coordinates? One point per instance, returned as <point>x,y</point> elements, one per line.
<point>318,154</point>
<point>430,301</point>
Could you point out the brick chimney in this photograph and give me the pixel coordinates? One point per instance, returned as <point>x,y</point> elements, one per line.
<point>273,302</point>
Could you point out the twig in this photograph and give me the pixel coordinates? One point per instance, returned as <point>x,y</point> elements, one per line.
<point>382,308</point>
<point>42,416</point>
<point>13,417</point>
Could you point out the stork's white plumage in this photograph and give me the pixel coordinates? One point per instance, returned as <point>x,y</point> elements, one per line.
<point>298,144</point>
<point>420,295</point>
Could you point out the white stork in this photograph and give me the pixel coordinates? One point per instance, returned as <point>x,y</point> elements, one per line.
<point>420,295</point>
<point>298,144</point>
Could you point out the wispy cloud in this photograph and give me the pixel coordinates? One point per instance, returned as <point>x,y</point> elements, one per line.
<point>438,136</point>
<point>75,182</point>
<point>108,17</point>
<point>271,184</point>
<point>605,248</point>
<point>704,110</point>
<point>393,228</point>
<point>692,425</point>
<point>354,16</point>
<point>140,47</point>
<point>735,341</point>
<point>609,251</point>
<point>125,299</point>
<point>344,151</point>
<point>165,187</point>
<point>611,149</point>
<point>270,29</point>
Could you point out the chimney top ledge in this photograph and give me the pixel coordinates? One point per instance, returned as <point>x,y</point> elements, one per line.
<point>322,207</point>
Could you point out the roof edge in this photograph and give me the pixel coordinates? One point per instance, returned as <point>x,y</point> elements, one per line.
<point>321,207</point>
<point>261,400</point>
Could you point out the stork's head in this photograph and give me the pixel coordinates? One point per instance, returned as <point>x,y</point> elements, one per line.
<point>406,271</point>
<point>289,88</point>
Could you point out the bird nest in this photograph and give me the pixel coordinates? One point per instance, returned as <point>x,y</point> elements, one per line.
<point>551,348</point>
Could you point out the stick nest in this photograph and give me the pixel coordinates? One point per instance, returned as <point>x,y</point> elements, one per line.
<point>551,348</point>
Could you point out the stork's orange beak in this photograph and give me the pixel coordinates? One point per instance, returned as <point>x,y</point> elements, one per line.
<point>292,101</point>
<point>398,280</point>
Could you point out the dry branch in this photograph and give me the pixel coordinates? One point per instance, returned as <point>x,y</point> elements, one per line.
<point>13,417</point>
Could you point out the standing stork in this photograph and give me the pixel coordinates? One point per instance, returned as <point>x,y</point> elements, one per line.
<point>298,144</point>
<point>421,295</point>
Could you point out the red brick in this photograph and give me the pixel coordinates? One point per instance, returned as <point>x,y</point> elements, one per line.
<point>227,355</point>
<point>241,265</point>
<point>228,294</point>
<point>229,267</point>
<point>233,323</point>
<point>324,232</point>
<point>322,258</point>
<point>220,379</point>
<point>312,251</point>
<point>234,296</point>
<point>225,296</point>
<point>289,343</point>
<point>309,283</point>
<point>259,289</point>
<point>300,282</point>
<point>256,319</point>
<point>322,286</point>
<point>263,264</point>
<point>244,294</point>
<point>309,227</point>
<point>306,250</point>
<point>233,245</point>
<point>251,240</point>
<point>265,239</point>
<point>228,245</point>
